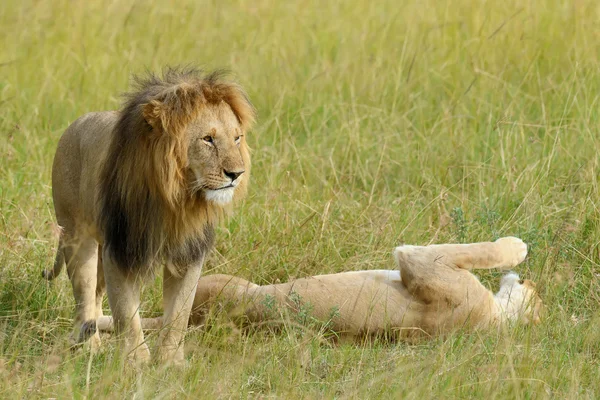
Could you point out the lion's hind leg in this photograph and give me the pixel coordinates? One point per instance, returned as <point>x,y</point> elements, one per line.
<point>81,256</point>
<point>100,285</point>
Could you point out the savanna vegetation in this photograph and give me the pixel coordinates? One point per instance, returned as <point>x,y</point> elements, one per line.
<point>380,123</point>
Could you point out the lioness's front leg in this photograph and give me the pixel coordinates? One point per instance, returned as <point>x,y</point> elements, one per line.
<point>123,288</point>
<point>441,271</point>
<point>178,297</point>
<point>506,252</point>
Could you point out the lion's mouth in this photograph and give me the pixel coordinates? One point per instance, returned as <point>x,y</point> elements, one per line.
<point>222,195</point>
<point>231,185</point>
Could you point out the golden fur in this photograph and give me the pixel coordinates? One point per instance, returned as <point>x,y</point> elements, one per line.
<point>145,186</point>
<point>432,292</point>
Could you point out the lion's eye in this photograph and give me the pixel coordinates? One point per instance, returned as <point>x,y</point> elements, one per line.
<point>237,139</point>
<point>208,139</point>
<point>521,282</point>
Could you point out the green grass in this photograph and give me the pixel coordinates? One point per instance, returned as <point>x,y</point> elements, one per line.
<point>379,123</point>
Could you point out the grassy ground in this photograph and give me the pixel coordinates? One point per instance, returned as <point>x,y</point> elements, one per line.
<point>380,123</point>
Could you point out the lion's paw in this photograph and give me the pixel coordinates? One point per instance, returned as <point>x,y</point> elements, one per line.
<point>513,251</point>
<point>139,355</point>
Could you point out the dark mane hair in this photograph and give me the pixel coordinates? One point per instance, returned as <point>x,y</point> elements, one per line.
<point>146,212</point>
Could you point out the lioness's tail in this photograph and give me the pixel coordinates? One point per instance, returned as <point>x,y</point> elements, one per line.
<point>59,262</point>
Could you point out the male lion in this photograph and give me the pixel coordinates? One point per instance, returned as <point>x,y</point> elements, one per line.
<point>145,186</point>
<point>431,293</point>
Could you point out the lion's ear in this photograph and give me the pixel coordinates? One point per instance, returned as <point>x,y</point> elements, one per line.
<point>174,109</point>
<point>152,113</point>
<point>240,105</point>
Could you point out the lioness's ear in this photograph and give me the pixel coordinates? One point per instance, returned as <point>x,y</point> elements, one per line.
<point>399,254</point>
<point>152,113</point>
<point>530,283</point>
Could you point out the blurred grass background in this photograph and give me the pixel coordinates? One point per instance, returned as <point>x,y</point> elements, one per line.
<point>380,123</point>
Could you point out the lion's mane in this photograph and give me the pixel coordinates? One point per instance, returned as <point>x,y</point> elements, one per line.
<point>147,212</point>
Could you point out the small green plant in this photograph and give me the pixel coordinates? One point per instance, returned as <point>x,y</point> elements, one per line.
<point>302,310</point>
<point>270,305</point>
<point>489,218</point>
<point>460,224</point>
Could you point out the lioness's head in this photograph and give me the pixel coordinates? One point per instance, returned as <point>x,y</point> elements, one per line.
<point>200,123</point>
<point>520,299</point>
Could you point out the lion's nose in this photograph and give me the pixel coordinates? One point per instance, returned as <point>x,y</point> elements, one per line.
<point>233,175</point>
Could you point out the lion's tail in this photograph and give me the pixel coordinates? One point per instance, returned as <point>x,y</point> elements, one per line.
<point>59,262</point>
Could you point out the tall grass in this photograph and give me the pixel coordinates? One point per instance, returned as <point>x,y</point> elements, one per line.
<point>380,123</point>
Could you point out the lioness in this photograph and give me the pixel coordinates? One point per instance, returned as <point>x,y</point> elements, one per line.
<point>431,293</point>
<point>142,187</point>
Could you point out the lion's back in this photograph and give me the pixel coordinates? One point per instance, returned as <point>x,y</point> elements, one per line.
<point>79,155</point>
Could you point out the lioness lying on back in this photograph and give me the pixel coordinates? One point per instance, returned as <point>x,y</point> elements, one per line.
<point>433,292</point>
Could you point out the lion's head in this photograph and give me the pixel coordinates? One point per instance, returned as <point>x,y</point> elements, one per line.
<point>178,157</point>
<point>217,154</point>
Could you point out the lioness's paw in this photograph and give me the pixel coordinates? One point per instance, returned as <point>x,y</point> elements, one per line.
<point>513,250</point>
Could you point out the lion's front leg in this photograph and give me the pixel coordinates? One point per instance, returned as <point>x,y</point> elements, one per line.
<point>123,290</point>
<point>178,297</point>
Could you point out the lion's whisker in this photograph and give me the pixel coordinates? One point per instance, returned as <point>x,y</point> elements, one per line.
<point>196,186</point>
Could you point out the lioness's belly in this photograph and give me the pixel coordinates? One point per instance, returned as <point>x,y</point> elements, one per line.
<point>356,302</point>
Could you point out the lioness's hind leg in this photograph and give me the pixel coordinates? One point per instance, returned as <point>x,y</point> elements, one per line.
<point>81,257</point>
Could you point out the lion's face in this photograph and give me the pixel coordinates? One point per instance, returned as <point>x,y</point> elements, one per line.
<point>217,154</point>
